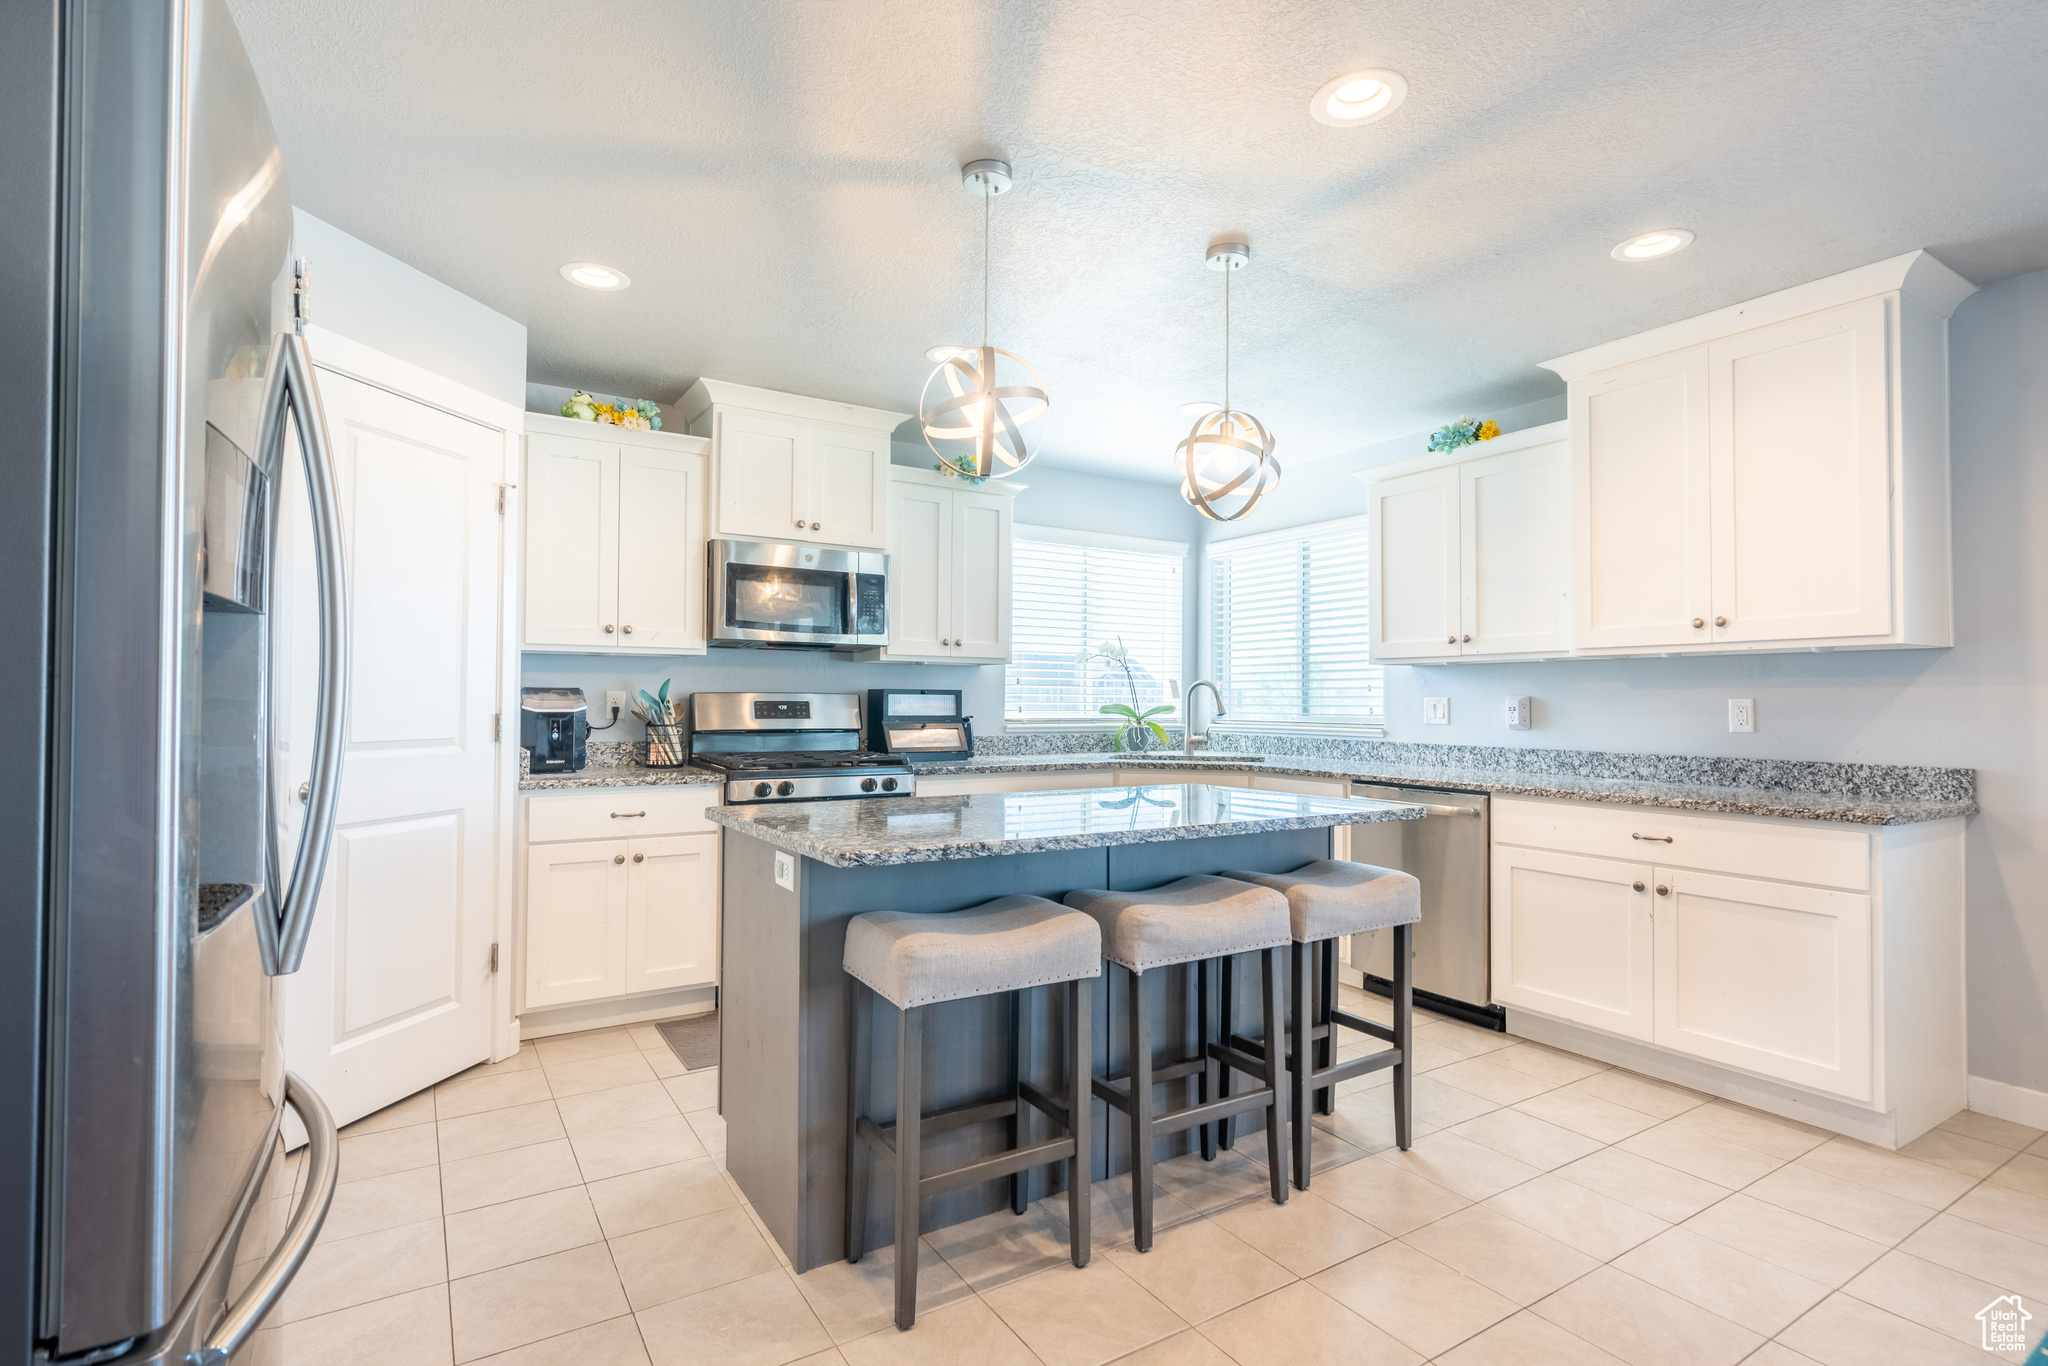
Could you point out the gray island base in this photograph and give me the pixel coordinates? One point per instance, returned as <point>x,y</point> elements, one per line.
<point>795,873</point>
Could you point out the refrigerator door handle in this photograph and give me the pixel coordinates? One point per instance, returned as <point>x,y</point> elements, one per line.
<point>292,385</point>
<point>323,1170</point>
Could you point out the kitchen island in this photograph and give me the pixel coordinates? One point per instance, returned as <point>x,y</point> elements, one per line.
<point>795,873</point>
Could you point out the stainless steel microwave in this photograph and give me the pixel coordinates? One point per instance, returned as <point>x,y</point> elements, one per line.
<point>792,595</point>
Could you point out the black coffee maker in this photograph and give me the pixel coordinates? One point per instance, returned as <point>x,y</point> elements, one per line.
<point>553,725</point>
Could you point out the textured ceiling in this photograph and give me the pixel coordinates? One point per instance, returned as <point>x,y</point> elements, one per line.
<point>780,181</point>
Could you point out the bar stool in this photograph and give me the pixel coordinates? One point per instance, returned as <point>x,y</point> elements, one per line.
<point>1327,900</point>
<point>1011,944</point>
<point>1190,921</point>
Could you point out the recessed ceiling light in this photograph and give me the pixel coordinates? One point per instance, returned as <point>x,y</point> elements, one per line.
<point>591,275</point>
<point>1651,245</point>
<point>1358,97</point>
<point>1201,407</point>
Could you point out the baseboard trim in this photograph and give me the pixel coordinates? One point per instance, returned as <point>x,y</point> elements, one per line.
<point>2003,1100</point>
<point>666,1005</point>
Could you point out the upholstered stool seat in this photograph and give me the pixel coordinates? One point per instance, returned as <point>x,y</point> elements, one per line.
<point>1010,945</point>
<point>1195,920</point>
<point>1326,900</point>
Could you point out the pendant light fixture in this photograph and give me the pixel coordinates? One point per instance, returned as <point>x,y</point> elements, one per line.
<point>1226,462</point>
<point>983,408</point>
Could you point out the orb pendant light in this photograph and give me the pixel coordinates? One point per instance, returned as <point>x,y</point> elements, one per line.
<point>1226,462</point>
<point>983,408</point>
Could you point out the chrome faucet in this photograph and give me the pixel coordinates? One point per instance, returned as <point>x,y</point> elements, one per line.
<point>1187,715</point>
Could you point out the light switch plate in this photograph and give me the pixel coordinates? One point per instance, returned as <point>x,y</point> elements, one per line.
<point>785,871</point>
<point>1521,713</point>
<point>1742,715</point>
<point>1436,711</point>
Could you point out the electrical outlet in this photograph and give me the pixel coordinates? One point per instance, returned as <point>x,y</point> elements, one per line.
<point>1436,711</point>
<point>1521,713</point>
<point>614,705</point>
<point>785,871</point>
<point>1742,715</point>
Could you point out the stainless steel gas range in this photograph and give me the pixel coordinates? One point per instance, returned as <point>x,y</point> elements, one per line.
<point>791,747</point>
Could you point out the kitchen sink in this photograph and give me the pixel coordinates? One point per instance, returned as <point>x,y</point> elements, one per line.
<point>1176,757</point>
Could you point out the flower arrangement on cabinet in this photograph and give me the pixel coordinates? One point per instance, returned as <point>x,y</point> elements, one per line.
<point>642,416</point>
<point>1464,432</point>
<point>1133,722</point>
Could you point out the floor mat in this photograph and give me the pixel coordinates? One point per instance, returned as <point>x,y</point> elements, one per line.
<point>693,1039</point>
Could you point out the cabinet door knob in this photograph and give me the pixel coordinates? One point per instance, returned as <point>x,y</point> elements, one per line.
<point>639,858</point>
<point>607,628</point>
<point>1720,621</point>
<point>1450,640</point>
<point>1468,640</point>
<point>814,526</point>
<point>1699,623</point>
<point>618,858</point>
<point>629,630</point>
<point>1639,886</point>
<point>1662,890</point>
<point>799,524</point>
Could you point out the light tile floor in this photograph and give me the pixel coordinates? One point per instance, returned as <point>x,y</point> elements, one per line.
<point>569,1205</point>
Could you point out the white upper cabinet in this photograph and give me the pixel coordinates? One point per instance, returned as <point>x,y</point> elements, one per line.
<point>1470,556</point>
<point>789,468</point>
<point>1773,475</point>
<point>951,548</point>
<point>614,553</point>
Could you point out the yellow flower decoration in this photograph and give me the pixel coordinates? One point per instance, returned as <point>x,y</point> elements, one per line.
<point>1488,430</point>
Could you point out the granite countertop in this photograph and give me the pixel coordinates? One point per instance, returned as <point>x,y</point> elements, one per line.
<point>621,776</point>
<point>875,831</point>
<point>1852,807</point>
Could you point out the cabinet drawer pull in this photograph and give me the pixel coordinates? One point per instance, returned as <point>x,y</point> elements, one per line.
<point>618,858</point>
<point>1649,839</point>
<point>626,815</point>
<point>1639,886</point>
<point>639,858</point>
<point>1662,890</point>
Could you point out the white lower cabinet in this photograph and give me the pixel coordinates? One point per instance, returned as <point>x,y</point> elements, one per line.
<point>620,916</point>
<point>1824,960</point>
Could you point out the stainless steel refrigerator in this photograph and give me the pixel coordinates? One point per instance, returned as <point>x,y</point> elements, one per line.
<point>151,362</point>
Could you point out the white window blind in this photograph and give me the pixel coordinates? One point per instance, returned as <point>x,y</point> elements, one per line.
<point>1073,595</point>
<point>1288,616</point>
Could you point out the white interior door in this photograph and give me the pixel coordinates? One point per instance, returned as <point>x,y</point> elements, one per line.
<point>1414,539</point>
<point>982,527</point>
<point>571,555</point>
<point>661,551</point>
<point>1769,976</point>
<point>920,559</point>
<point>395,990</point>
<point>1515,535</point>
<point>1641,572</point>
<point>1802,478</point>
<point>1571,938</point>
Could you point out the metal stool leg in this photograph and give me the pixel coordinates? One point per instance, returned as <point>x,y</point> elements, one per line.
<point>856,1103</point>
<point>909,1167</point>
<point>1300,1056</point>
<point>1141,1117</point>
<point>1020,1031</point>
<point>1326,1002</point>
<point>1080,1116</point>
<point>1404,1036</point>
<point>1204,1084</point>
<point>1226,1133</point>
<point>1276,1076</point>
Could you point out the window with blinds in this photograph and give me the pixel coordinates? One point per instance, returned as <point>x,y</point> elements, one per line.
<point>1288,621</point>
<point>1069,596</point>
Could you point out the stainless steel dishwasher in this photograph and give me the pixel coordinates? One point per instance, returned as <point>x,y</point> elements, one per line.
<point>1447,851</point>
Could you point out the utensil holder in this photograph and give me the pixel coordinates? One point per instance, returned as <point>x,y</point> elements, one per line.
<point>665,746</point>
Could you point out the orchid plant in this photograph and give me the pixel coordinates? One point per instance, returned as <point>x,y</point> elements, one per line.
<point>1133,721</point>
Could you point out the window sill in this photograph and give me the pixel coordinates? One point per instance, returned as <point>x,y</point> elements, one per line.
<point>1362,730</point>
<point>1102,723</point>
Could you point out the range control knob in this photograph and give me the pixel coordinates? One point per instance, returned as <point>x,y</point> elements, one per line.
<point>888,784</point>
<point>867,784</point>
<point>763,789</point>
<point>784,788</point>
